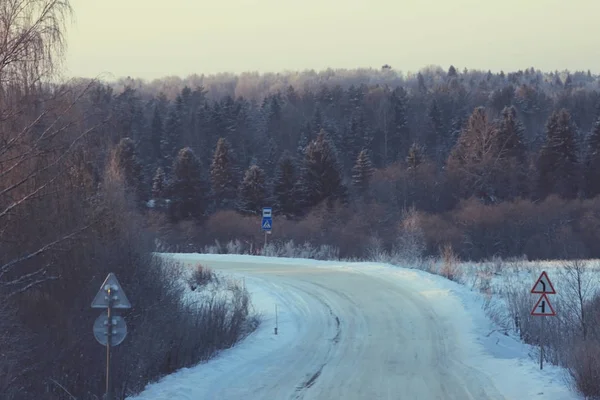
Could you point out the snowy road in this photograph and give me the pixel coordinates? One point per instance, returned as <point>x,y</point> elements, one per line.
<point>348,332</point>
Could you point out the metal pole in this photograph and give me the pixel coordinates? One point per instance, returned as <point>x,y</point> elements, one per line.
<point>265,240</point>
<point>276,320</point>
<point>109,327</point>
<point>542,345</point>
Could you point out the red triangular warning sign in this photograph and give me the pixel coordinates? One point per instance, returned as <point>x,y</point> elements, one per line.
<point>543,307</point>
<point>543,285</point>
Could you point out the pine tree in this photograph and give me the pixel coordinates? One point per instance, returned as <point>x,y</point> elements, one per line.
<point>322,179</point>
<point>221,175</point>
<point>592,164</point>
<point>557,164</point>
<point>187,189</point>
<point>129,165</point>
<point>362,172</point>
<point>284,186</point>
<point>252,192</point>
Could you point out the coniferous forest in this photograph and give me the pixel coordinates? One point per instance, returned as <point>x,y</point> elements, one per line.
<point>493,164</point>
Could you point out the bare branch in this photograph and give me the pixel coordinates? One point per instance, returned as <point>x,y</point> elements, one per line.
<point>47,183</point>
<point>6,267</point>
<point>64,389</point>
<point>26,277</point>
<point>31,285</point>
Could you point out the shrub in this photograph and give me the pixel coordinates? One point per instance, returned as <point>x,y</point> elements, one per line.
<point>450,268</point>
<point>584,368</point>
<point>201,276</point>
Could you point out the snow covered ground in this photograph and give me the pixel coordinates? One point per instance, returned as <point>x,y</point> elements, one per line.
<point>361,331</point>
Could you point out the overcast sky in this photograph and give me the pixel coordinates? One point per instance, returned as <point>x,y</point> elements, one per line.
<point>151,39</point>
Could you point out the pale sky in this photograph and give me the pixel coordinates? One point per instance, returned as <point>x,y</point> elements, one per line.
<point>151,39</point>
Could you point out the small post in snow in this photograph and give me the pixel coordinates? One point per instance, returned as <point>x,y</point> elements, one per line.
<point>543,308</point>
<point>276,320</point>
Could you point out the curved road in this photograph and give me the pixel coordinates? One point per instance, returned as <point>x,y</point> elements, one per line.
<point>361,337</point>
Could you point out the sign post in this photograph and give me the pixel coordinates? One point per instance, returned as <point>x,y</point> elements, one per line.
<point>110,330</point>
<point>267,222</point>
<point>543,308</point>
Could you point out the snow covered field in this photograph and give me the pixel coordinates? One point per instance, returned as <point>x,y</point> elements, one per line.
<point>361,331</point>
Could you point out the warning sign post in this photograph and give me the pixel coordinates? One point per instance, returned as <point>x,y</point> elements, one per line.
<point>543,308</point>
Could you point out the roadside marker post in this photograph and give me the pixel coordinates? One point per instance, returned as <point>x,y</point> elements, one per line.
<point>109,329</point>
<point>276,321</point>
<point>543,308</point>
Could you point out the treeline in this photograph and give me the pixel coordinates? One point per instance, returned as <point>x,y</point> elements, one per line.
<point>445,145</point>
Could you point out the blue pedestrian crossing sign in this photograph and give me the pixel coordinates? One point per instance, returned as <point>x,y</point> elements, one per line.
<point>267,224</point>
<point>267,219</point>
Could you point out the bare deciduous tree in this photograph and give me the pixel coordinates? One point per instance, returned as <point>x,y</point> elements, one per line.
<point>578,285</point>
<point>40,127</point>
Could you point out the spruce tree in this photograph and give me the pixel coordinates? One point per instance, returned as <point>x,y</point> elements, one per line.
<point>421,84</point>
<point>510,135</point>
<point>159,187</point>
<point>474,161</point>
<point>221,175</point>
<point>322,179</point>
<point>557,163</point>
<point>252,192</point>
<point>452,72</point>
<point>435,131</point>
<point>415,156</point>
<point>284,186</point>
<point>592,164</point>
<point>172,132</point>
<point>187,189</point>
<point>358,136</point>
<point>270,157</point>
<point>304,139</point>
<point>399,134</point>
<point>362,172</point>
<point>511,155</point>
<point>130,167</point>
<point>156,134</point>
